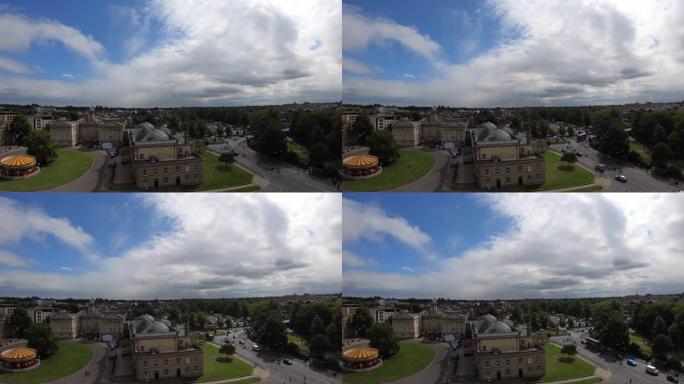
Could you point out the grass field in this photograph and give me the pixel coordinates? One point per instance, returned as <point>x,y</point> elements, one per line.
<point>301,152</point>
<point>644,152</point>
<point>68,359</point>
<point>557,370</point>
<point>410,167</point>
<point>219,370</point>
<point>69,166</point>
<point>557,177</point>
<point>217,177</point>
<point>412,358</point>
<point>634,338</point>
<point>593,188</point>
<point>303,348</point>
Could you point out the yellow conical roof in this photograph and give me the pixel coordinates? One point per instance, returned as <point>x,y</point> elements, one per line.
<point>19,354</point>
<point>18,161</point>
<point>361,354</point>
<point>361,162</point>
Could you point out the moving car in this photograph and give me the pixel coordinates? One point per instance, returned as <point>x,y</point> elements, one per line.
<point>652,370</point>
<point>287,361</point>
<point>600,167</point>
<point>631,362</point>
<point>621,178</point>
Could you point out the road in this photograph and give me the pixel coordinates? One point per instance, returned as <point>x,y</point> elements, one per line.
<point>608,368</point>
<point>638,179</point>
<point>96,177</point>
<point>438,179</point>
<point>278,372</point>
<point>281,176</point>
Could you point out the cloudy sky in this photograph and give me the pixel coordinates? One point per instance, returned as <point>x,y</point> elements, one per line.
<point>488,246</point>
<point>170,52</point>
<point>130,246</point>
<point>512,52</point>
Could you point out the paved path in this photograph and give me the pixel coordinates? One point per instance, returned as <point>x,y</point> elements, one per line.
<point>90,181</point>
<point>433,180</point>
<point>435,370</point>
<point>96,367</point>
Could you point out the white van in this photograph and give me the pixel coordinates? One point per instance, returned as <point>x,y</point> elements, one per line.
<point>652,370</point>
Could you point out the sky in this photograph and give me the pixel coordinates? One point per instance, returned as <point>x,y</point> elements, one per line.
<point>166,246</point>
<point>512,53</point>
<point>512,245</point>
<point>170,53</point>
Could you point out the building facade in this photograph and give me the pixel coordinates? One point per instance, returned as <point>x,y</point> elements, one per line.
<point>503,158</point>
<point>64,133</point>
<point>89,323</point>
<point>406,133</point>
<point>406,325</point>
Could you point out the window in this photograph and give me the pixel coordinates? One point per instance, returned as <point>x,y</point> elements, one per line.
<point>519,168</point>
<point>187,360</point>
<point>196,368</point>
<point>538,368</point>
<point>166,171</point>
<point>484,348</point>
<point>177,360</point>
<point>155,172</point>
<point>484,156</point>
<point>487,364</point>
<point>187,168</point>
<point>519,360</point>
<point>508,179</point>
<point>142,156</point>
<point>508,170</point>
<point>508,362</point>
<point>187,177</point>
<point>166,372</point>
<point>177,168</point>
<point>166,362</point>
<point>166,180</point>
<point>529,168</point>
<point>487,172</point>
<point>529,177</point>
<point>145,172</point>
<point>144,363</point>
<point>142,347</point>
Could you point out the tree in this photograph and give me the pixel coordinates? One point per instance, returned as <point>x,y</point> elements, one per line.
<point>661,346</point>
<point>662,153</point>
<point>319,155</point>
<point>362,321</point>
<point>228,349</point>
<point>382,337</point>
<point>382,145</point>
<point>569,157</point>
<point>267,324</point>
<point>610,324</point>
<point>570,350</point>
<point>220,131</point>
<point>227,158</point>
<point>319,346</point>
<point>40,145</point>
<point>20,321</point>
<point>40,337</point>
<point>20,128</point>
<point>362,129</point>
<point>270,140</point>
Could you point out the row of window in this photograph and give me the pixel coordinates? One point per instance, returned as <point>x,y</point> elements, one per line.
<point>155,363</point>
<point>507,171</point>
<point>507,181</point>
<point>165,181</point>
<point>508,361</point>
<point>165,170</point>
<point>167,373</point>
<point>488,374</point>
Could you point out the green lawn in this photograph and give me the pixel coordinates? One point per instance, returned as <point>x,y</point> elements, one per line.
<point>68,359</point>
<point>557,177</point>
<point>634,338</point>
<point>593,188</point>
<point>301,152</point>
<point>593,380</point>
<point>217,177</point>
<point>69,166</point>
<point>219,370</point>
<point>412,358</point>
<point>644,152</point>
<point>410,167</point>
<point>251,188</point>
<point>557,370</point>
<point>303,348</point>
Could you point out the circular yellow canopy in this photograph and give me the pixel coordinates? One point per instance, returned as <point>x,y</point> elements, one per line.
<point>18,161</point>
<point>361,162</point>
<point>356,355</point>
<point>19,354</point>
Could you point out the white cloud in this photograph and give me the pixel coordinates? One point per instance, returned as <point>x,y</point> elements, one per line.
<point>12,260</point>
<point>19,222</point>
<point>409,76</point>
<point>354,66</point>
<point>10,65</point>
<point>216,246</point>
<point>360,31</point>
<point>67,269</point>
<point>210,53</point>
<point>366,221</point>
<point>556,53</point>
<point>557,245</point>
<point>68,75</point>
<point>408,269</point>
<point>353,260</point>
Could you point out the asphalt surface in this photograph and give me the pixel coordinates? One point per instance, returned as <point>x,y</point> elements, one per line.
<point>272,363</point>
<point>608,368</point>
<point>281,176</point>
<point>438,179</point>
<point>638,179</point>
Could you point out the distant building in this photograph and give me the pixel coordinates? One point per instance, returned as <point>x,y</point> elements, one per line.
<point>406,133</point>
<point>502,351</point>
<point>503,158</point>
<point>160,159</point>
<point>348,312</point>
<point>406,325</point>
<point>95,130</point>
<point>40,314</point>
<point>64,133</point>
<point>430,323</point>
<point>160,352</point>
<point>39,122</point>
<point>89,323</point>
<point>382,122</point>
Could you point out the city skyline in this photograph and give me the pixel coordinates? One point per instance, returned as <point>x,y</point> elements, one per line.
<point>170,53</point>
<point>169,245</point>
<point>509,246</point>
<point>511,54</point>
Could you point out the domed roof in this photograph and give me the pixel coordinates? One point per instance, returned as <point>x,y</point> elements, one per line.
<point>19,354</point>
<point>18,161</point>
<point>490,132</point>
<point>145,125</point>
<point>485,323</point>
<point>144,317</point>
<point>156,135</point>
<point>361,162</point>
<point>360,354</point>
<point>500,135</point>
<point>499,327</point>
<point>156,327</point>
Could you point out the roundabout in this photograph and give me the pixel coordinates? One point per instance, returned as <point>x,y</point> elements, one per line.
<point>18,167</point>
<point>19,359</point>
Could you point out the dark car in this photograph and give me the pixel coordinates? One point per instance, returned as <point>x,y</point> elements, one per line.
<point>672,379</point>
<point>621,178</point>
<point>287,361</point>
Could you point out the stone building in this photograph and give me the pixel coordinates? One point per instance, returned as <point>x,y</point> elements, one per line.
<point>503,158</point>
<point>161,352</point>
<point>64,325</point>
<point>406,325</point>
<point>64,133</point>
<point>159,159</point>
<point>406,133</point>
<point>90,323</point>
<point>502,351</point>
<point>96,130</point>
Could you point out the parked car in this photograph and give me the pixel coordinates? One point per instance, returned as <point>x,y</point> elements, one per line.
<point>287,361</point>
<point>600,167</point>
<point>621,178</point>
<point>672,379</point>
<point>652,370</point>
<point>631,362</point>
<point>256,348</point>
